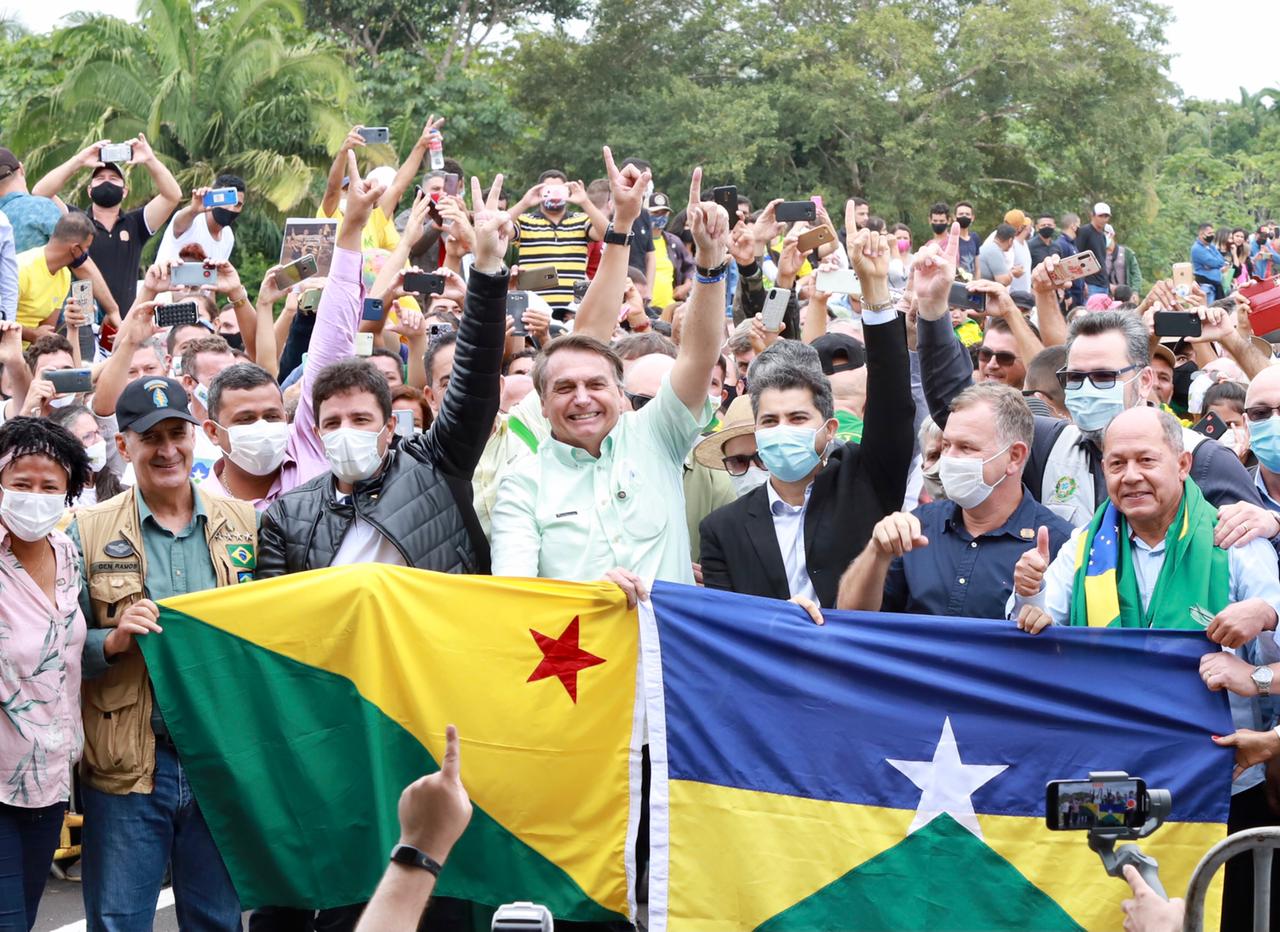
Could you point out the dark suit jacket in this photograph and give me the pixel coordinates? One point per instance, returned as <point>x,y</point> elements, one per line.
<point>859,485</point>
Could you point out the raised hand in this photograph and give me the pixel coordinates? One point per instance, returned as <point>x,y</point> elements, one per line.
<point>708,223</point>
<point>141,151</point>
<point>869,256</point>
<point>431,128</point>
<point>934,270</point>
<point>91,156</point>
<point>494,227</point>
<point>434,810</point>
<point>1028,574</point>
<point>626,187</point>
<point>897,534</point>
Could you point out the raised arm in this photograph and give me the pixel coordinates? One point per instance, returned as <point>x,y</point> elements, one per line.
<point>51,184</point>
<point>409,168</point>
<point>1053,326</point>
<point>599,222</point>
<point>703,331</point>
<point>139,325</point>
<point>598,310</point>
<point>338,314</point>
<point>457,437</point>
<point>333,183</point>
<point>168,193</point>
<point>1000,304</point>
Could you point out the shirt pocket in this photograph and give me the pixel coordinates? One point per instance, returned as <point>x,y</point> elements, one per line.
<point>638,501</point>
<point>115,591</point>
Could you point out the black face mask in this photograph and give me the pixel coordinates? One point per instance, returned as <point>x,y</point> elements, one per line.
<point>1046,232</point>
<point>224,217</point>
<point>1182,376</point>
<point>965,221</point>
<point>938,227</point>
<point>107,194</point>
<point>79,260</point>
<point>234,340</point>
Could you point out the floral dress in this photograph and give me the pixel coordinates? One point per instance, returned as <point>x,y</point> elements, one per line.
<point>41,733</point>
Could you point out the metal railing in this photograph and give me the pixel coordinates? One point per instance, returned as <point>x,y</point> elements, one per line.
<point>1262,842</point>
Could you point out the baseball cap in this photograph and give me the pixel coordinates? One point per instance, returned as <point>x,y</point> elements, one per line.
<point>1024,299</point>
<point>1015,218</point>
<point>147,401</point>
<point>1166,354</point>
<point>8,163</point>
<point>839,352</point>
<point>739,419</point>
<point>1109,230</point>
<point>1102,207</point>
<point>108,166</point>
<point>659,201</point>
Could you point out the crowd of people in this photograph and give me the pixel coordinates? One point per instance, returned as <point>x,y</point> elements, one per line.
<point>585,383</point>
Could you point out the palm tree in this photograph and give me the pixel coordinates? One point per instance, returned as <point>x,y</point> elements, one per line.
<point>214,86</point>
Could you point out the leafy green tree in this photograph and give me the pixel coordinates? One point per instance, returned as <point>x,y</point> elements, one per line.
<point>215,87</point>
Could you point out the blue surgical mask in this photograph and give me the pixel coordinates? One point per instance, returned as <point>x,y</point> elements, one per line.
<point>660,221</point>
<point>788,452</point>
<point>1093,408</point>
<point>1264,441</point>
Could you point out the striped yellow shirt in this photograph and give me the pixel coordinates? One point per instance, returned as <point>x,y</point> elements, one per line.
<point>563,245</point>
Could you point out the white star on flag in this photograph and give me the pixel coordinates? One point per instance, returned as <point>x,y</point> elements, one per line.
<point>946,783</point>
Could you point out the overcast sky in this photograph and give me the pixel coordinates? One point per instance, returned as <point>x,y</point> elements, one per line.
<point>1216,47</point>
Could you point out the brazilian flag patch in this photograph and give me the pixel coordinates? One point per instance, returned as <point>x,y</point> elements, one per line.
<point>242,556</point>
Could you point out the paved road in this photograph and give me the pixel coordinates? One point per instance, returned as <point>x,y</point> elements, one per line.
<point>62,909</point>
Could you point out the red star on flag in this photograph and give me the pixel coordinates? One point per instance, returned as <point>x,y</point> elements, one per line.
<point>562,658</point>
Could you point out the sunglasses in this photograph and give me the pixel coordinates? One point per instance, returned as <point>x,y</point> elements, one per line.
<point>1005,359</point>
<point>738,465</point>
<point>638,401</point>
<point>1101,378</point>
<point>1260,412</point>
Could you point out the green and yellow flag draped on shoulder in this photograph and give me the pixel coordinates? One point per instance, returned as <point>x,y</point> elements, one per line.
<point>302,706</point>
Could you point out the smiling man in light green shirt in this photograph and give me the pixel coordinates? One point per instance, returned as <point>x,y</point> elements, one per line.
<point>605,493</point>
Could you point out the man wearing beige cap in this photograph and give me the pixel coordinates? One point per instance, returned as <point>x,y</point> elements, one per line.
<point>1021,252</point>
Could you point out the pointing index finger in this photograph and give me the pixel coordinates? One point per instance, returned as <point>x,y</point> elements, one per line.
<point>452,755</point>
<point>953,244</point>
<point>609,164</point>
<point>353,171</point>
<point>695,187</point>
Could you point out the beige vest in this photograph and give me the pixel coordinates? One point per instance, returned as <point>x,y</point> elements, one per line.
<point>119,745</point>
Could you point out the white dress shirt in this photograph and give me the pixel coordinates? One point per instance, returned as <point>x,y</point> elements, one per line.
<point>788,525</point>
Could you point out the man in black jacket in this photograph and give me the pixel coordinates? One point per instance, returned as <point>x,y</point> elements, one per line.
<point>406,502</point>
<point>794,536</point>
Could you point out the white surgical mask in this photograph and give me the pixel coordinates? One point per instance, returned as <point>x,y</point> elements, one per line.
<point>753,478</point>
<point>32,515</point>
<point>962,479</point>
<point>352,453</point>
<point>97,455</point>
<point>258,448</point>
<point>201,392</point>
<point>61,401</point>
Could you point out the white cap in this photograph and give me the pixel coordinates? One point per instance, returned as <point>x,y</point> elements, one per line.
<point>383,175</point>
<point>1102,207</point>
<point>1109,230</point>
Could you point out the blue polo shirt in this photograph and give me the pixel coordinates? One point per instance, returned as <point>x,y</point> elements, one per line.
<point>960,575</point>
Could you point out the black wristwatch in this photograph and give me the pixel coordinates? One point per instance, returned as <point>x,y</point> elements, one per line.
<point>412,857</point>
<point>614,238</point>
<point>713,273</point>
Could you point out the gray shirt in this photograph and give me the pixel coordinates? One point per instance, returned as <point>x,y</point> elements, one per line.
<point>992,261</point>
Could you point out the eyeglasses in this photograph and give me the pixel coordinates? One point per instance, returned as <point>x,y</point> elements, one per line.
<point>638,401</point>
<point>1101,378</point>
<point>738,465</point>
<point>1260,412</point>
<point>1005,359</point>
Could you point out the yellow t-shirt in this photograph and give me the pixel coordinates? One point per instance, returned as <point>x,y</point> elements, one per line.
<point>664,272</point>
<point>379,230</point>
<point>40,292</point>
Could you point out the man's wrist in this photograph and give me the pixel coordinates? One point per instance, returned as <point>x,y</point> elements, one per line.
<point>488,266</point>
<point>875,292</point>
<point>785,281</point>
